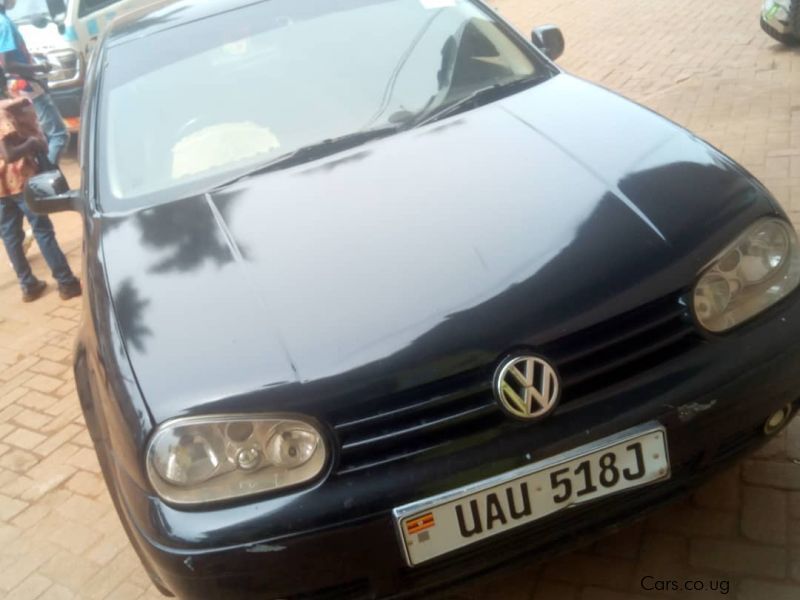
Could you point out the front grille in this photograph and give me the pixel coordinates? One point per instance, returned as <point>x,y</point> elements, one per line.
<point>590,362</point>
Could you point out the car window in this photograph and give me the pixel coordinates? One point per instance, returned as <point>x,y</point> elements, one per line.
<point>193,105</point>
<point>87,7</point>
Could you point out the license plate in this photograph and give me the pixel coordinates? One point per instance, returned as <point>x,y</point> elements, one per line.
<point>435,526</point>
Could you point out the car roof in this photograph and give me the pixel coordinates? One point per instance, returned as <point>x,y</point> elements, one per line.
<point>166,14</point>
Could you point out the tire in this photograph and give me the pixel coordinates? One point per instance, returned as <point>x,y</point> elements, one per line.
<point>794,20</point>
<point>787,39</point>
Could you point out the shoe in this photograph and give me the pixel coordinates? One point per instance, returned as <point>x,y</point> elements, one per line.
<point>70,290</point>
<point>34,292</point>
<point>27,240</point>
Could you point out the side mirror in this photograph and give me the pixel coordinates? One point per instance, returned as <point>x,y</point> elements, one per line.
<point>550,40</point>
<point>56,8</point>
<point>49,193</point>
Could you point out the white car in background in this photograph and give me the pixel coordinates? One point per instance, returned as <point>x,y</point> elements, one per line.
<point>781,20</point>
<point>62,32</point>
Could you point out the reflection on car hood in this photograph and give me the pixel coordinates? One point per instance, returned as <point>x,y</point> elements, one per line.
<point>419,255</point>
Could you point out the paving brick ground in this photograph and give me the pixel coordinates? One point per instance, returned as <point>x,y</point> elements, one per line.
<point>705,65</point>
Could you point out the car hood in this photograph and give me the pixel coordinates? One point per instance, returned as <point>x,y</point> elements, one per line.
<point>418,256</point>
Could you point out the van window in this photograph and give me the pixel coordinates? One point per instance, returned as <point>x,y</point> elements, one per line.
<point>87,7</point>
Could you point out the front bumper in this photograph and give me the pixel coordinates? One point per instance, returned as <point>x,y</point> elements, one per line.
<point>339,540</point>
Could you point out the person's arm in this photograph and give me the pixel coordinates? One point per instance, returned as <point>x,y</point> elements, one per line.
<point>10,153</point>
<point>8,44</point>
<point>24,71</point>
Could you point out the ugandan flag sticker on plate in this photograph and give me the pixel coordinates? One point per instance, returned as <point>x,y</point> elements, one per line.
<point>419,525</point>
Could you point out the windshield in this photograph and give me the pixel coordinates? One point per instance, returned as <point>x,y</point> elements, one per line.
<point>27,9</point>
<point>191,107</point>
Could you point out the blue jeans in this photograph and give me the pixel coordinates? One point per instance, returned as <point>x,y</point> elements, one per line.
<point>12,210</point>
<point>52,126</point>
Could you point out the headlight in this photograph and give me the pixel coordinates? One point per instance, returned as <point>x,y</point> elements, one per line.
<point>206,459</point>
<point>752,274</point>
<point>65,66</point>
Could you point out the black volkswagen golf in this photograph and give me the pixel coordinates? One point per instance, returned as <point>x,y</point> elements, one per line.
<point>378,297</point>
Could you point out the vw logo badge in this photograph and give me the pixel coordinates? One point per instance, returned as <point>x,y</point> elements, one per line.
<point>527,387</point>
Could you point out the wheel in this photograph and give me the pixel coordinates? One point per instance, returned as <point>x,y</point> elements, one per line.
<point>791,35</point>
<point>788,39</point>
<point>794,20</point>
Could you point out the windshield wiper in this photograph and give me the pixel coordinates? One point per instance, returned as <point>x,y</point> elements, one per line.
<point>316,151</point>
<point>477,98</point>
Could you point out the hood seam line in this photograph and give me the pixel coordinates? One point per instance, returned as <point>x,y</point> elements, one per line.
<point>240,262</point>
<point>611,186</point>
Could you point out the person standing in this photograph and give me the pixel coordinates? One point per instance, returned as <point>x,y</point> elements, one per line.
<point>19,147</point>
<point>17,62</point>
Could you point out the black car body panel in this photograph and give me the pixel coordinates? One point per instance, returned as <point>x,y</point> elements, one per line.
<point>372,229</point>
<point>274,547</point>
<point>563,220</point>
